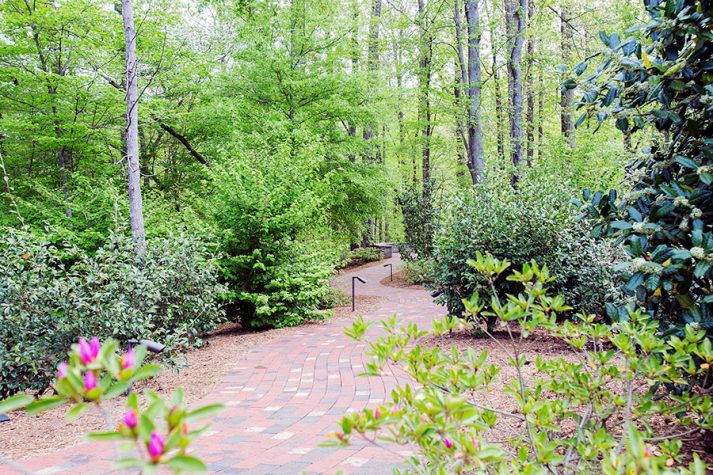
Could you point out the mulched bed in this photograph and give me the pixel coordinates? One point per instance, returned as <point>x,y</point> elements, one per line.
<point>399,281</point>
<point>537,344</point>
<point>198,373</point>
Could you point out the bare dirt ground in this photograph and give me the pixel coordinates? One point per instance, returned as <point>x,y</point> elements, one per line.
<point>26,436</point>
<point>399,281</point>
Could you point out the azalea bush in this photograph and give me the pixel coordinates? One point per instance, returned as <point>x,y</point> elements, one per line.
<point>50,295</point>
<point>157,435</point>
<point>595,409</point>
<point>664,222</point>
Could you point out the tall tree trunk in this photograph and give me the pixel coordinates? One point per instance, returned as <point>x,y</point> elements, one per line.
<point>530,116</point>
<point>354,58</point>
<point>461,83</point>
<point>540,114</point>
<point>373,63</point>
<point>136,215</point>
<point>499,128</point>
<point>566,96</point>
<point>516,20</point>
<point>424,83</point>
<point>475,132</point>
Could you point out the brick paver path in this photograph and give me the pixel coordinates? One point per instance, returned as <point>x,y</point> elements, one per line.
<point>284,397</point>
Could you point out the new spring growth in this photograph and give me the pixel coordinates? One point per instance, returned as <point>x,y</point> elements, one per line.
<point>131,419</point>
<point>128,360</point>
<point>156,446</point>
<point>88,351</point>
<point>90,381</point>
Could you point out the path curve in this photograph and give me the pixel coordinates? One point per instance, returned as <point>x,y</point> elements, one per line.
<point>285,396</point>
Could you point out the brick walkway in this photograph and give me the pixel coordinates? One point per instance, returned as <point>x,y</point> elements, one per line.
<point>284,397</point>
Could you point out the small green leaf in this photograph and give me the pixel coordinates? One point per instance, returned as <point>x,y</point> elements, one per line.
<point>45,404</point>
<point>15,402</point>
<point>204,412</point>
<point>186,463</point>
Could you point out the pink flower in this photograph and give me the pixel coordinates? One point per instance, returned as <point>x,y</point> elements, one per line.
<point>131,418</point>
<point>90,381</point>
<point>476,445</point>
<point>377,414</point>
<point>62,370</point>
<point>156,446</point>
<point>128,360</point>
<point>89,351</point>
<point>447,442</point>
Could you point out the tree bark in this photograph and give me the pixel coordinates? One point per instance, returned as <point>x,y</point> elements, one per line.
<point>475,132</point>
<point>373,63</point>
<point>566,96</point>
<point>424,83</point>
<point>516,20</point>
<point>136,215</point>
<point>540,114</point>
<point>499,129</point>
<point>530,116</point>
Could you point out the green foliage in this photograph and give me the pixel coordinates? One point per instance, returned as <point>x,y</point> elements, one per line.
<point>94,373</point>
<point>529,222</point>
<point>364,255</point>
<point>419,272</point>
<point>50,295</point>
<point>419,214</point>
<point>664,222</point>
<point>587,411</point>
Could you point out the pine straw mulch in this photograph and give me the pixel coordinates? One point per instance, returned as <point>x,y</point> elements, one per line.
<point>399,281</point>
<point>201,370</point>
<point>546,346</point>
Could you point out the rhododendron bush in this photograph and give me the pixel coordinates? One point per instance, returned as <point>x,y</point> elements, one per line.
<point>153,434</point>
<point>595,409</point>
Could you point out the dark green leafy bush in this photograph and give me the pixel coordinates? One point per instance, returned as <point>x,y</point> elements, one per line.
<point>364,255</point>
<point>530,222</point>
<point>51,296</point>
<point>665,222</point>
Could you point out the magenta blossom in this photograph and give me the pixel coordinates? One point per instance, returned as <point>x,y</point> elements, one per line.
<point>131,418</point>
<point>156,446</point>
<point>62,370</point>
<point>128,360</point>
<point>89,351</point>
<point>476,445</point>
<point>90,381</point>
<point>377,414</point>
<point>447,442</point>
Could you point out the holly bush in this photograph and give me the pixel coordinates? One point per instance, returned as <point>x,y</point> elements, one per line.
<point>661,75</point>
<point>591,410</point>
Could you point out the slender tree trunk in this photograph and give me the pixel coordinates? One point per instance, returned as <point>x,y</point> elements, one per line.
<point>499,128</point>
<point>373,62</point>
<point>540,115</point>
<point>516,15</point>
<point>475,132</point>
<point>530,116</point>
<point>424,79</point>
<point>461,83</point>
<point>566,96</point>
<point>136,215</point>
<point>354,58</point>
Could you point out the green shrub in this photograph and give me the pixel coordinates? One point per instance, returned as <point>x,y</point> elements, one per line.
<point>364,255</point>
<point>665,221</point>
<point>50,296</point>
<point>419,271</point>
<point>334,298</point>
<point>529,222</point>
<point>596,408</point>
<point>277,261</point>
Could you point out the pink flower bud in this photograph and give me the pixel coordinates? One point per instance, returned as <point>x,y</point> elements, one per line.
<point>88,351</point>
<point>447,442</point>
<point>156,446</point>
<point>476,445</point>
<point>62,370</point>
<point>128,360</point>
<point>377,414</point>
<point>131,418</point>
<point>90,381</point>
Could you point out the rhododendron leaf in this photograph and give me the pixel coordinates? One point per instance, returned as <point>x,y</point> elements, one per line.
<point>77,410</point>
<point>146,372</point>
<point>186,463</point>
<point>177,397</point>
<point>117,389</point>
<point>204,412</point>
<point>45,404</point>
<point>129,462</point>
<point>15,402</point>
<point>104,436</point>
